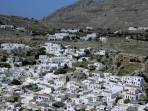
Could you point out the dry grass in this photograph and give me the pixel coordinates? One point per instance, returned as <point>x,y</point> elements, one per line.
<point>119,44</point>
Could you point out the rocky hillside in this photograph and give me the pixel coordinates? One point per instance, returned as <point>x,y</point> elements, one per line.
<point>21,22</point>
<point>101,13</point>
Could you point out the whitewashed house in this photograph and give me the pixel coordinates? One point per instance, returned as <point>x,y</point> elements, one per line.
<point>92,36</point>
<point>52,48</point>
<point>44,88</point>
<point>111,92</point>
<point>90,84</point>
<point>101,53</point>
<point>26,98</point>
<point>47,63</point>
<point>43,58</point>
<point>132,97</point>
<point>142,28</point>
<point>62,61</point>
<point>72,86</point>
<point>69,107</point>
<point>42,97</point>
<point>9,107</point>
<point>70,30</point>
<point>3,70</point>
<point>103,39</point>
<point>120,108</point>
<point>132,29</point>
<point>57,36</point>
<point>132,92</point>
<point>22,29</point>
<point>89,28</point>
<point>12,46</point>
<point>98,65</point>
<point>77,101</point>
<point>133,80</point>
<point>100,108</point>
<point>6,26</point>
<point>132,89</point>
<point>80,52</point>
<point>58,80</point>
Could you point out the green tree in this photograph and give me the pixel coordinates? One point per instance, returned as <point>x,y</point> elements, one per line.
<point>4,59</point>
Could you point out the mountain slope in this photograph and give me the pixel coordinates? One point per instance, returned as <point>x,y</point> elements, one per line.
<point>101,13</point>
<point>21,22</point>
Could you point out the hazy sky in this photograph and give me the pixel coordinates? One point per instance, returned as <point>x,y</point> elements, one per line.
<point>32,8</point>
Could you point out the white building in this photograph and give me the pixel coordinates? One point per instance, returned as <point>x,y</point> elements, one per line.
<point>58,80</point>
<point>133,80</point>
<point>57,36</point>
<point>132,29</point>
<point>12,46</point>
<point>61,60</point>
<point>132,92</point>
<point>22,29</point>
<point>89,28</point>
<point>92,36</point>
<point>98,65</point>
<point>72,86</point>
<point>70,30</point>
<point>52,48</point>
<point>103,39</point>
<point>3,70</point>
<point>69,107</point>
<point>6,26</point>
<point>111,92</point>
<point>43,58</point>
<point>120,108</point>
<point>101,53</point>
<point>26,98</point>
<point>42,97</point>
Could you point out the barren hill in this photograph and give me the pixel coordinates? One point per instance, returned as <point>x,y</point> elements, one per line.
<point>101,13</point>
<point>21,22</point>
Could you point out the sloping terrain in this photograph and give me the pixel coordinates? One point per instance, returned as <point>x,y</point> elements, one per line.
<point>101,13</point>
<point>11,35</point>
<point>21,22</point>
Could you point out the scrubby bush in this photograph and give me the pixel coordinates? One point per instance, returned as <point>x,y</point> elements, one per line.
<point>6,65</point>
<point>15,82</point>
<point>126,101</point>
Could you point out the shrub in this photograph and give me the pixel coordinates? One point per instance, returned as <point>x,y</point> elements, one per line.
<point>7,65</point>
<point>87,52</point>
<point>60,71</point>
<point>13,99</point>
<point>92,68</point>
<point>28,62</point>
<point>33,87</point>
<point>126,101</point>
<point>82,64</point>
<point>15,82</point>
<point>4,59</point>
